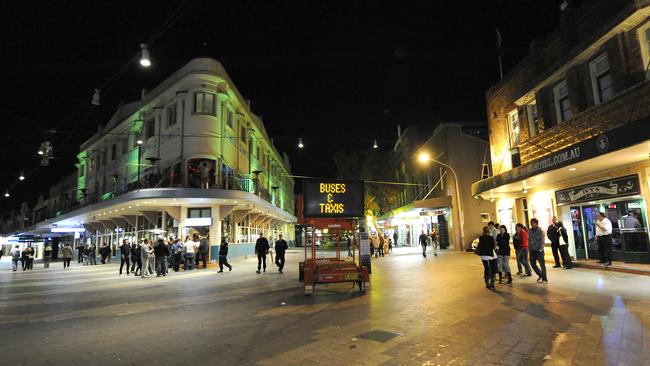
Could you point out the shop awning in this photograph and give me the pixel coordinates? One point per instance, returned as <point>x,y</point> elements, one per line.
<point>621,146</point>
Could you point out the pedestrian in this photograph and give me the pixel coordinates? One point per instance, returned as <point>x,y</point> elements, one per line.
<point>223,256</point>
<point>177,251</point>
<point>15,257</point>
<point>80,249</point>
<point>521,253</point>
<point>564,246</point>
<point>494,231</point>
<point>136,258</point>
<point>503,254</point>
<point>372,246</point>
<point>125,252</point>
<point>554,236</point>
<point>29,257</point>
<point>151,257</point>
<point>103,251</point>
<point>390,245</point>
<point>536,249</point>
<point>424,238</point>
<point>261,250</point>
<point>604,238</point>
<point>86,255</point>
<point>190,251</point>
<point>161,250</point>
<point>349,245</point>
<point>382,243</point>
<point>67,252</point>
<point>434,242</point>
<point>47,254</point>
<point>395,236</point>
<point>144,258</point>
<point>92,252</point>
<point>485,249</point>
<point>202,254</point>
<point>281,247</point>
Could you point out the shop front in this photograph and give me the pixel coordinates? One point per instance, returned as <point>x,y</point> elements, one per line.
<point>621,201</point>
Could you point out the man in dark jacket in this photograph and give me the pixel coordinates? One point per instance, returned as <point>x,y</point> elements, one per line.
<point>261,249</point>
<point>203,252</point>
<point>125,252</point>
<point>423,242</point>
<point>161,251</point>
<point>536,249</point>
<point>553,235</point>
<point>223,256</point>
<point>80,250</point>
<point>280,249</point>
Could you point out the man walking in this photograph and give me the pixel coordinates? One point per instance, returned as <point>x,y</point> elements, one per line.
<point>424,238</point>
<point>434,242</point>
<point>536,247</point>
<point>161,250</point>
<point>280,249</point>
<point>125,252</point>
<point>553,235</point>
<point>223,256</point>
<point>15,257</point>
<point>604,238</point>
<point>67,252</point>
<point>261,249</point>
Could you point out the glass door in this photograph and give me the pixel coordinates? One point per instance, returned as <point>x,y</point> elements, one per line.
<point>633,231</point>
<point>589,214</point>
<point>578,236</point>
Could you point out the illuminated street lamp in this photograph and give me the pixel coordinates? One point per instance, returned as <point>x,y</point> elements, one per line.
<point>424,158</point>
<point>144,58</point>
<point>300,144</point>
<point>21,177</point>
<point>140,142</point>
<point>6,193</point>
<point>374,144</point>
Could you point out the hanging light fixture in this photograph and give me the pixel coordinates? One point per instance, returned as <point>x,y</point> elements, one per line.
<point>21,177</point>
<point>140,142</point>
<point>300,144</point>
<point>96,95</point>
<point>374,144</point>
<point>144,58</point>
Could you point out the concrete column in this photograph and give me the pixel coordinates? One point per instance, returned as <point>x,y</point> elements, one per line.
<point>181,223</point>
<point>164,221</point>
<point>215,228</point>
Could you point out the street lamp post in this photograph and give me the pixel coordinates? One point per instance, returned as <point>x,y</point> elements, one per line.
<point>424,158</point>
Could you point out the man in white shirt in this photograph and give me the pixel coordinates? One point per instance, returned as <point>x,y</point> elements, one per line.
<point>190,251</point>
<point>604,238</point>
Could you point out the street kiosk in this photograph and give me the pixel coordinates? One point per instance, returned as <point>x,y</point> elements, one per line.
<point>333,207</point>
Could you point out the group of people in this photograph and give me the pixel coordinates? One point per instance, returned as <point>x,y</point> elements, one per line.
<point>380,245</point>
<point>494,249</point>
<point>429,240</point>
<point>263,248</point>
<point>25,257</point>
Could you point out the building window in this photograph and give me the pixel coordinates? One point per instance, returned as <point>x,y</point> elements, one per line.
<point>533,119</point>
<point>242,134</point>
<point>601,79</point>
<point>199,212</point>
<point>513,123</point>
<point>643,33</point>
<point>171,115</point>
<point>562,101</point>
<point>113,151</point>
<point>205,103</point>
<point>150,128</point>
<point>229,118</point>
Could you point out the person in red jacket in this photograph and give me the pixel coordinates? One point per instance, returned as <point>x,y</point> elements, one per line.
<point>522,251</point>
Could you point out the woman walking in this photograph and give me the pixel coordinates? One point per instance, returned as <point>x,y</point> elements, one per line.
<point>485,249</point>
<point>503,254</point>
<point>522,252</point>
<point>67,252</point>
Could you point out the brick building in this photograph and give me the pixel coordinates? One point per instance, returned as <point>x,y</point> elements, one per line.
<point>569,129</point>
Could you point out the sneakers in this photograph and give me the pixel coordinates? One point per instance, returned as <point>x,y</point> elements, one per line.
<point>557,266</point>
<point>230,269</point>
<point>264,269</point>
<point>220,271</point>
<point>258,271</point>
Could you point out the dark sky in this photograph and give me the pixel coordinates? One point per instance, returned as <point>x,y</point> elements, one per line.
<point>336,73</point>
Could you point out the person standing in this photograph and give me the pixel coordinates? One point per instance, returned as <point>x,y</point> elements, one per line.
<point>177,250</point>
<point>103,251</point>
<point>520,243</point>
<point>494,231</point>
<point>93,254</point>
<point>395,236</point>
<point>536,249</point>
<point>281,247</point>
<point>503,254</point>
<point>485,250</point>
<point>144,258</point>
<point>424,238</point>
<point>382,242</point>
<point>80,250</point>
<point>125,251</point>
<point>604,238</point>
<point>15,257</point>
<point>151,258</point>
<point>161,250</point>
<point>554,236</point>
<point>261,249</point>
<point>564,246</point>
<point>29,257</point>
<point>434,242</point>
<point>67,252</point>
<point>136,258</point>
<point>47,254</point>
<point>190,251</point>
<point>223,256</point>
<point>203,252</point>
<point>348,243</point>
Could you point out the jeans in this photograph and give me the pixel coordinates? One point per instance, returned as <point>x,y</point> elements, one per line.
<point>489,269</point>
<point>189,261</point>
<point>555,249</point>
<point>434,247</point>
<point>134,262</point>
<point>176,261</point>
<point>151,264</point>
<point>504,263</point>
<point>538,256</point>
<point>223,261</point>
<point>279,261</point>
<point>124,261</point>
<point>138,268</point>
<point>202,257</point>
<point>144,271</point>
<point>46,262</point>
<point>93,258</point>
<point>522,260</point>
<point>79,255</point>
<point>261,259</point>
<point>566,257</point>
<point>381,250</point>
<point>161,265</point>
<point>66,262</point>
<point>424,250</point>
<point>14,262</point>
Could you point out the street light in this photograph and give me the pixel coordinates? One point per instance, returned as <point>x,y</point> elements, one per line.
<point>424,158</point>
<point>374,144</point>
<point>6,193</point>
<point>300,144</point>
<point>144,59</point>
<point>21,177</point>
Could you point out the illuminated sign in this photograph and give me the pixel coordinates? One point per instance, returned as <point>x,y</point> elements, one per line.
<point>332,198</point>
<point>198,221</point>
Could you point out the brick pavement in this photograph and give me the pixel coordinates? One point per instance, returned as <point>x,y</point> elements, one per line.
<point>438,306</point>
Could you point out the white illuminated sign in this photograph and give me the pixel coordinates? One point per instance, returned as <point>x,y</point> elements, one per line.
<point>67,230</point>
<point>198,221</point>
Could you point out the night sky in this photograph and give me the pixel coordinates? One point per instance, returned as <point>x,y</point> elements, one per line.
<point>337,74</point>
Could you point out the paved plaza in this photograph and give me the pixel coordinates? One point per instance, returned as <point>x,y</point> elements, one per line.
<point>433,311</point>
